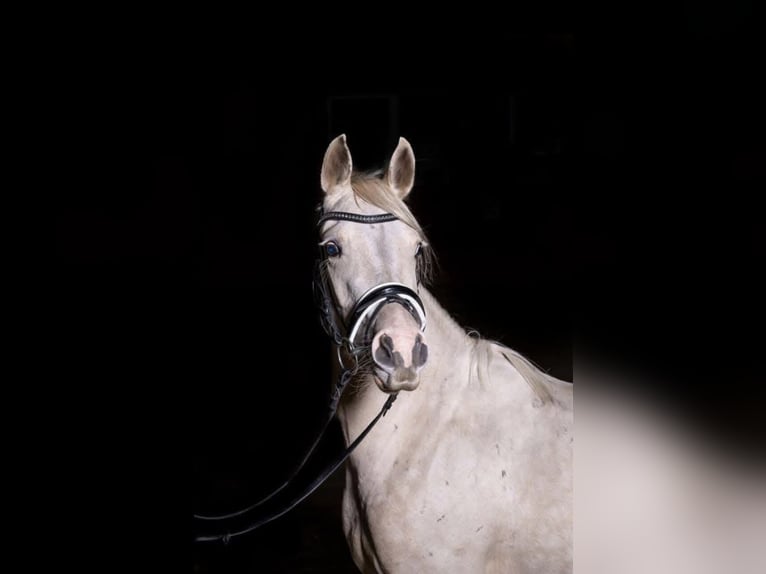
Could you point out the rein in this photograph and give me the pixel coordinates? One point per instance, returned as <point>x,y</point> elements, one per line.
<point>345,338</point>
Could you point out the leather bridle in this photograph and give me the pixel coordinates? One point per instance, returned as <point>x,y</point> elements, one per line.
<point>352,340</point>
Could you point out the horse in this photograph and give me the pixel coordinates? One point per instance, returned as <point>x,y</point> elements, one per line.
<point>471,470</point>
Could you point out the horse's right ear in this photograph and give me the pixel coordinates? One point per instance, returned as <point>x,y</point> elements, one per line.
<point>336,167</point>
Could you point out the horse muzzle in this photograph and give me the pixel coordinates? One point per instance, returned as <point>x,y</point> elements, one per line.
<point>399,350</point>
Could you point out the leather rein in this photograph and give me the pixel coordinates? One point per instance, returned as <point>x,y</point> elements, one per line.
<point>351,339</point>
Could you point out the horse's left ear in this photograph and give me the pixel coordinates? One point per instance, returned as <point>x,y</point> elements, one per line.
<point>400,174</point>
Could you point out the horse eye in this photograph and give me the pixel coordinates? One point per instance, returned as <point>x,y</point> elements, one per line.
<point>332,249</point>
<point>419,249</point>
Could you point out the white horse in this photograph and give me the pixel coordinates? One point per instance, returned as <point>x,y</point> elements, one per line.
<point>471,469</point>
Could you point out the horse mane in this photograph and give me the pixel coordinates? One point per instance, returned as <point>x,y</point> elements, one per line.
<point>485,350</point>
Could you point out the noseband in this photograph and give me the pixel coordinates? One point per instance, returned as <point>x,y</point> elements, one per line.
<point>375,298</point>
<point>353,338</point>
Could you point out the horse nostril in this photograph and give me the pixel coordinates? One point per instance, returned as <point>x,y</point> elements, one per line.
<point>384,354</point>
<point>419,353</point>
<point>388,343</point>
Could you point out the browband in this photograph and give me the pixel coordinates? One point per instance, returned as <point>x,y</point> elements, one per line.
<point>355,217</point>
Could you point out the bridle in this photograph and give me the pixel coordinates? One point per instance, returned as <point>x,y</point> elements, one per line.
<point>368,305</point>
<point>351,338</point>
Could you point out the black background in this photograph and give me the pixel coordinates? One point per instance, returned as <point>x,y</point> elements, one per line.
<point>596,188</point>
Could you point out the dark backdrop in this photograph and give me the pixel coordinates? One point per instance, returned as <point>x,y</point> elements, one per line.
<point>604,192</point>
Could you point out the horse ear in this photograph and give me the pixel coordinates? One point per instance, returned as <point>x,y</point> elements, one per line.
<point>400,174</point>
<point>336,167</point>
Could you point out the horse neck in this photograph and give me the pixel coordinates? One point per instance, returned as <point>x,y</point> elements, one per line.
<point>449,349</point>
